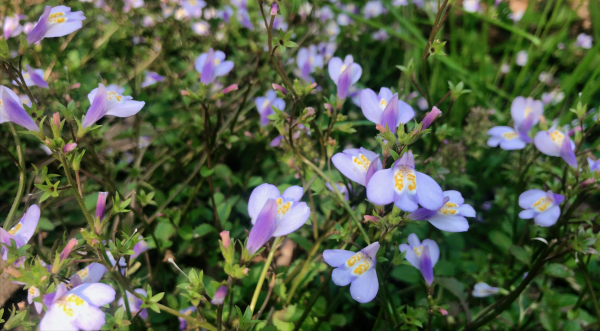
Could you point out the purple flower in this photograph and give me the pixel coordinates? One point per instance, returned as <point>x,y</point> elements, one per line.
<point>226,13</point>
<point>68,148</point>
<point>11,110</point>
<point>77,309</point>
<point>324,13</point>
<point>308,60</point>
<point>90,274</point>
<point>150,78</point>
<point>556,143</point>
<point>422,103</point>
<point>594,165</point>
<point>33,77</point>
<point>211,65</point>
<point>148,21</point>
<point>244,19</point>
<point>380,35</point>
<point>374,8</point>
<point>266,104</point>
<point>405,186</point>
<point>344,74</point>
<point>12,27</point>
<point>68,249</point>
<point>430,117</point>
<point>201,28</point>
<point>326,49</point>
<point>106,102</point>
<point>356,268</point>
<point>522,58</point>
<point>451,217</point>
<point>584,41</point>
<point>220,295</point>
<point>139,248</point>
<point>508,138</point>
<point>471,6</point>
<point>274,214</point>
<point>521,108</point>
<point>135,303</point>
<point>20,233</point>
<point>55,22</point>
<point>193,7</point>
<point>358,165</point>
<point>482,290</point>
<point>342,188</point>
<point>129,4</point>
<point>32,293</point>
<point>101,205</point>
<point>385,108</point>
<point>541,206</point>
<point>182,321</point>
<point>422,255</point>
<point>553,97</point>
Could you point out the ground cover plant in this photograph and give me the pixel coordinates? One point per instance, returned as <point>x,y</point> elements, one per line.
<point>299,165</point>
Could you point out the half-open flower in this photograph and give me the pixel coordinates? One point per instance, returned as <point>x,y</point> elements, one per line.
<point>542,206</point>
<point>422,255</point>
<point>106,102</point>
<point>344,74</point>
<point>12,111</point>
<point>358,165</point>
<point>20,233</point>
<point>385,108</point>
<point>451,217</point>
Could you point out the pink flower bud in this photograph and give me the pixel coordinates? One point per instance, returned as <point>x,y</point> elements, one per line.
<point>373,219</point>
<point>573,130</point>
<point>220,295</point>
<point>430,117</point>
<point>75,86</point>
<point>329,108</point>
<point>184,92</point>
<point>274,8</point>
<point>56,121</point>
<point>225,239</point>
<point>248,134</point>
<point>380,128</point>
<point>100,205</point>
<point>313,85</point>
<point>68,248</point>
<point>280,88</point>
<point>443,311</point>
<point>68,148</point>
<point>246,270</point>
<point>229,88</point>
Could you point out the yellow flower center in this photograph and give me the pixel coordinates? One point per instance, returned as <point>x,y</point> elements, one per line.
<point>15,229</point>
<point>283,207</point>
<point>382,104</point>
<point>217,61</point>
<point>418,250</point>
<point>83,273</point>
<point>510,135</point>
<point>114,96</point>
<point>405,177</point>
<point>542,204</point>
<point>56,18</point>
<point>360,263</point>
<point>362,162</point>
<point>448,208</point>
<point>557,137</point>
<point>343,68</point>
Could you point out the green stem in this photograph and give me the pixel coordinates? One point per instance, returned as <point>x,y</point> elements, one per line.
<point>79,198</point>
<point>20,189</point>
<point>584,270</point>
<point>263,274</point>
<point>219,317</point>
<point>308,308</point>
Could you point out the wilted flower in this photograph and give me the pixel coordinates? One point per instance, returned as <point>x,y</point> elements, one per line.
<point>103,102</point>
<point>211,65</point>
<point>182,321</point>
<point>150,78</point>
<point>451,217</point>
<point>55,22</point>
<point>542,206</point>
<point>220,295</point>
<point>344,74</point>
<point>77,309</point>
<point>555,143</point>
<point>482,290</point>
<point>266,104</point>
<point>308,60</point>
<point>522,58</point>
<point>385,108</point>
<point>20,233</point>
<point>405,186</point>
<point>422,255</point>
<point>356,268</point>
<point>584,41</point>
<point>12,111</point>
<point>358,165</point>
<point>135,303</point>
<point>274,214</point>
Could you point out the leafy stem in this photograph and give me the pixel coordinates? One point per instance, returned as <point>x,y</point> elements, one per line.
<point>21,166</point>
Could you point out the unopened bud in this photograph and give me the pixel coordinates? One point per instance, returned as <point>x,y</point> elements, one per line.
<point>225,239</point>
<point>56,125</point>
<point>75,86</point>
<point>220,295</point>
<point>68,148</point>
<point>280,88</point>
<point>229,88</point>
<point>68,249</point>
<point>185,92</point>
<point>430,117</point>
<point>274,8</point>
<point>369,218</point>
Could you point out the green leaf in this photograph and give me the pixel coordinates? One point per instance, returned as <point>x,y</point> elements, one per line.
<point>521,254</point>
<point>205,172</point>
<point>203,229</point>
<point>558,270</point>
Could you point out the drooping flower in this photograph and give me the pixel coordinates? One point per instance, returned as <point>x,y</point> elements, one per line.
<point>555,143</point>
<point>385,108</point>
<point>90,274</point>
<point>182,321</point>
<point>11,26</point>
<point>357,164</point>
<point>522,58</point>
<point>542,206</point>
<point>135,303</point>
<point>212,64</point>
<point>482,290</point>
<point>584,41</point>
<point>11,110</point>
<point>422,255</point>
<point>105,102</point>
<point>274,214</point>
<point>594,165</point>
<point>522,107</point>
<point>405,186</point>
<point>266,104</point>
<point>374,8</point>
<point>55,22</point>
<point>357,269</point>
<point>430,117</point>
<point>77,309</point>
<point>193,7</point>
<point>344,74</point>
<point>20,233</point>
<point>150,78</point>
<point>220,295</point>
<point>451,217</point>
<point>308,60</point>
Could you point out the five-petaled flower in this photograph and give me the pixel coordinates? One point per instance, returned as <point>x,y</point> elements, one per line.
<point>356,268</point>
<point>11,110</point>
<point>109,102</point>
<point>385,108</point>
<point>266,104</point>
<point>357,164</point>
<point>212,64</point>
<point>542,206</point>
<point>344,74</point>
<point>55,22</point>
<point>451,217</point>
<point>555,143</point>
<point>422,255</point>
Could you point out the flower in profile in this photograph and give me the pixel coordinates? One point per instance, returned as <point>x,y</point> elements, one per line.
<point>482,290</point>
<point>11,26</point>
<point>522,107</point>
<point>220,295</point>
<point>188,312</point>
<point>11,110</point>
<point>357,164</point>
<point>212,64</point>
<point>33,77</point>
<point>555,143</point>
<point>430,117</point>
<point>274,214</point>
<point>385,108</point>
<point>405,186</point>
<point>522,58</point>
<point>357,269</point>
<point>422,255</point>
<point>266,104</point>
<point>20,233</point>
<point>542,206</point>
<point>90,274</point>
<point>594,165</point>
<point>344,74</point>
<point>55,22</point>
<point>584,41</point>
<point>77,309</point>
<point>135,303</point>
<point>244,19</point>
<point>193,7</point>
<point>308,60</point>
<point>374,8</point>
<point>107,102</point>
<point>451,217</point>
<point>150,78</point>
<point>201,28</point>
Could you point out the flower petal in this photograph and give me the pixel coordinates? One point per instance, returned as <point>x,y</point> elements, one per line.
<point>342,277</point>
<point>293,220</point>
<point>97,108</point>
<point>96,294</point>
<point>380,189</point>
<point>426,266</point>
<point>39,30</point>
<point>527,214</point>
<point>467,210</point>
<point>548,217</point>
<point>55,320</point>
<point>528,198</point>
<point>389,117</point>
<point>199,64</point>
<point>544,143</point>
<point>365,287</point>
<point>293,192</point>
<point>429,192</point>
<point>208,70</point>
<point>334,68</point>
<point>369,104</point>
<point>343,163</point>
<point>223,68</point>
<point>259,197</point>
<point>264,227</point>
<point>410,256</point>
<point>434,250</point>
<point>90,319</point>
<point>15,112</point>
<point>337,257</point>
<point>450,223</point>
<point>125,108</point>
<point>371,250</point>
<point>28,223</point>
<point>405,112</point>
<point>567,153</point>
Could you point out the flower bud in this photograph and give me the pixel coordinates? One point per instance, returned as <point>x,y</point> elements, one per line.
<point>225,239</point>
<point>100,205</point>
<point>55,125</point>
<point>68,248</point>
<point>274,8</point>
<point>68,148</point>
<point>443,311</point>
<point>220,295</point>
<point>185,93</point>
<point>75,86</point>
<point>430,117</point>
<point>373,219</point>
<point>280,88</point>
<point>229,88</point>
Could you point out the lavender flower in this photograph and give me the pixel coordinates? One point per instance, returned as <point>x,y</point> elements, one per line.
<point>101,205</point>
<point>405,186</point>
<point>220,295</point>
<point>594,165</point>
<point>32,293</point>
<point>244,19</point>
<point>380,35</point>
<point>274,214</point>
<point>103,102</point>
<point>182,321</point>
<point>90,274</point>
<point>422,255</point>
<point>308,60</point>
<point>342,188</point>
<point>542,206</point>
<point>77,309</point>
<point>358,165</point>
<point>211,65</point>
<point>357,269</point>
<point>344,74</point>
<point>150,78</point>
<point>193,7</point>
<point>201,28</point>
<point>555,143</point>
<point>33,77</point>
<point>430,117</point>
<point>55,22</point>
<point>266,104</point>
<point>522,58</point>
<point>385,108</point>
<point>554,97</point>
<point>135,303</point>
<point>471,6</point>
<point>584,41</point>
<point>12,111</point>
<point>451,217</point>
<point>374,8</point>
<point>522,107</point>
<point>509,138</point>
<point>20,233</point>
<point>129,4</point>
<point>11,26</point>
<point>482,290</point>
